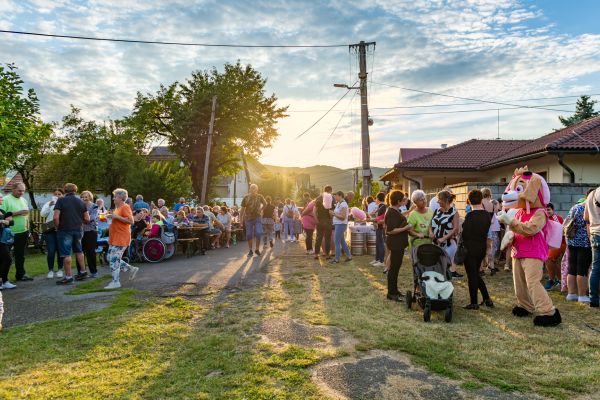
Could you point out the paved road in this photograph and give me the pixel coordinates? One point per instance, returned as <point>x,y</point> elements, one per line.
<point>219,271</point>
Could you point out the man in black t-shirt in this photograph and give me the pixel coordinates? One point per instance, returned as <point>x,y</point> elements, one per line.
<point>251,217</point>
<point>69,215</point>
<point>380,237</point>
<point>324,224</point>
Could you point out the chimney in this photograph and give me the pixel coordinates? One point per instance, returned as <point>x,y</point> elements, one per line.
<point>444,145</point>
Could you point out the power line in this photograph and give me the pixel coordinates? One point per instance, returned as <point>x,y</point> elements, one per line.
<point>104,39</point>
<point>465,98</point>
<point>481,109</point>
<point>324,115</point>
<point>338,123</point>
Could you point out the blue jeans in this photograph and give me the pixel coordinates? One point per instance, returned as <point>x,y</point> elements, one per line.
<point>69,241</point>
<point>340,241</point>
<point>595,275</point>
<point>288,228</point>
<point>379,246</point>
<point>253,229</point>
<point>52,250</point>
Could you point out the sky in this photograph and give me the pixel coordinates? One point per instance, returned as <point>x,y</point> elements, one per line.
<point>507,51</point>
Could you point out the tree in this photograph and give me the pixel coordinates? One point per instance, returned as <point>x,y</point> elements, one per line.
<point>166,180</point>
<point>276,185</point>
<point>18,113</point>
<point>245,119</point>
<point>583,110</point>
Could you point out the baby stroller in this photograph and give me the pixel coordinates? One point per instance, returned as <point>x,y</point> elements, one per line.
<point>432,290</point>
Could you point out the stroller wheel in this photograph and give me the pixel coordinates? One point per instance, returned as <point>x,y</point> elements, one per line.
<point>409,299</point>
<point>427,312</point>
<point>448,314</point>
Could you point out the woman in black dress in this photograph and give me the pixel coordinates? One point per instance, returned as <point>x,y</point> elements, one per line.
<point>396,230</point>
<point>474,235</point>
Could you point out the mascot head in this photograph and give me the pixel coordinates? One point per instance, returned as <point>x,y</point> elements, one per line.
<point>526,190</point>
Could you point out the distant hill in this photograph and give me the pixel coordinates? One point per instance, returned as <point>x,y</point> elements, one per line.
<point>321,175</point>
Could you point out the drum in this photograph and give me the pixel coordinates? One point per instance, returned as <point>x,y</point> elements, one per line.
<point>371,243</point>
<point>357,243</point>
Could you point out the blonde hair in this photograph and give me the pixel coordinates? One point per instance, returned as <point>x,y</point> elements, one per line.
<point>88,193</point>
<point>486,192</point>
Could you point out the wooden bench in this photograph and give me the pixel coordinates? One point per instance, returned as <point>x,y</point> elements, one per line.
<point>187,245</point>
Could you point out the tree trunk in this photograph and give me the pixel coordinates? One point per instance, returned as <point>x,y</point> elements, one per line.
<point>29,185</point>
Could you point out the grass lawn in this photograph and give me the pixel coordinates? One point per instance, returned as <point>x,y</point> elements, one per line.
<point>174,348</point>
<point>35,265</point>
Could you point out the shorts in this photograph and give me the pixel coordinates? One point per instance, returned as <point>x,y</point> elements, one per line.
<point>214,231</point>
<point>580,260</point>
<point>253,229</point>
<point>69,241</point>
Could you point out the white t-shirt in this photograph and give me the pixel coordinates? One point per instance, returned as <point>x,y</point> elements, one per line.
<point>371,208</point>
<point>339,207</point>
<point>594,211</point>
<point>434,204</point>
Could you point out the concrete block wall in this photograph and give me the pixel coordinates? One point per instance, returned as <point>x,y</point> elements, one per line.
<point>562,195</point>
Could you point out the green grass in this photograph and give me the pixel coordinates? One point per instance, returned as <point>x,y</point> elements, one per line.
<point>91,286</point>
<point>35,265</point>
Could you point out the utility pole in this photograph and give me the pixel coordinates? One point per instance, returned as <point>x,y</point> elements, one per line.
<point>364,115</point>
<point>208,146</point>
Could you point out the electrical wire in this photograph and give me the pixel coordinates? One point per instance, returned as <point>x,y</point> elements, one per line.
<point>465,98</point>
<point>479,110</point>
<point>338,123</point>
<point>324,115</point>
<point>104,39</point>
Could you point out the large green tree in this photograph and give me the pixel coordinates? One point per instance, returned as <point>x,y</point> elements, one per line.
<point>583,110</point>
<point>166,180</point>
<point>245,119</point>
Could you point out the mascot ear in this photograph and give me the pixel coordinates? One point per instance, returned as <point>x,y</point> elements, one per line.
<point>533,187</point>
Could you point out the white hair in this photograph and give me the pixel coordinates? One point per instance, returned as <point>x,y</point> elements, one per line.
<point>417,195</point>
<point>121,193</point>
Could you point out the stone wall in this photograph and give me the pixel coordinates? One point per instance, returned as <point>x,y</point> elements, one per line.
<point>562,195</point>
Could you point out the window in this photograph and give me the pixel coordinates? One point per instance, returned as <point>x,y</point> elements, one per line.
<point>543,174</point>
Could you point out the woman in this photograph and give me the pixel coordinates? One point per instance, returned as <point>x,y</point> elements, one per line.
<point>181,219</point>
<point>340,224</point>
<point>89,242</point>
<point>554,255</point>
<point>396,230</point>
<point>580,256</point>
<point>492,207</point>
<point>309,222</point>
<point>474,235</point>
<point>5,258</point>
<point>119,237</point>
<point>419,219</point>
<point>50,238</point>
<point>269,218</point>
<point>445,226</point>
<point>289,213</point>
<point>224,217</point>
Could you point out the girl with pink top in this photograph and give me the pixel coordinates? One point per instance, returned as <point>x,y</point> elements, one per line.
<point>309,222</point>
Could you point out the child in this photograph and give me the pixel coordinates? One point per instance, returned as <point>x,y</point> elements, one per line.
<point>277,229</point>
<point>155,227</point>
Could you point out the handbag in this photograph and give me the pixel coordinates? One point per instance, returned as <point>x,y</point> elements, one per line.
<point>48,227</point>
<point>461,253</point>
<point>7,237</point>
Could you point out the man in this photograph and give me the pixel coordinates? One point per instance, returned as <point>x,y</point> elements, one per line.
<point>69,215</point>
<point>160,203</point>
<point>324,225</point>
<point>140,203</point>
<point>16,204</point>
<point>202,221</point>
<point>592,217</point>
<point>379,215</point>
<point>349,198</point>
<point>251,216</point>
<point>179,205</point>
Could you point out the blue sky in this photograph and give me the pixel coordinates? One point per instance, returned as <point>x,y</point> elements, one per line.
<point>502,50</point>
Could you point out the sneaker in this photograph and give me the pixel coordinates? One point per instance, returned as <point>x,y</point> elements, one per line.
<point>81,276</point>
<point>59,274</point>
<point>250,253</point>
<point>506,268</point>
<point>572,297</point>
<point>311,252</point>
<point>348,259</point>
<point>583,299</point>
<point>549,285</point>
<point>113,285</point>
<point>94,275</point>
<point>25,278</point>
<point>133,272</point>
<point>557,285</point>
<point>50,275</point>
<point>257,252</point>
<point>8,285</point>
<point>378,264</point>
<point>457,275</point>
<point>65,281</point>
<point>374,262</point>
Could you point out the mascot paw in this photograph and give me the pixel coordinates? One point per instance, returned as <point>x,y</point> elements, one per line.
<point>520,312</point>
<point>548,320</point>
<point>507,240</point>
<point>506,217</point>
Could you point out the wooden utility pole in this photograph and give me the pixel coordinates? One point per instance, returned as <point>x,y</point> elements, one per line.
<point>208,146</point>
<point>364,117</point>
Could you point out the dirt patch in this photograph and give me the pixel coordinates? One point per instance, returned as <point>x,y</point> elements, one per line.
<point>389,375</point>
<point>288,331</point>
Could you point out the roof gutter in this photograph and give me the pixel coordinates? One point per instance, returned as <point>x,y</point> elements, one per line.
<point>412,180</point>
<point>566,168</point>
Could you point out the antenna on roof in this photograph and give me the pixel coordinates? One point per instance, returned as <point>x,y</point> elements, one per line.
<point>498,135</point>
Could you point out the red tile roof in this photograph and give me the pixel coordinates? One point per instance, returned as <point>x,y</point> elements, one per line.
<point>10,184</point>
<point>407,153</point>
<point>466,155</point>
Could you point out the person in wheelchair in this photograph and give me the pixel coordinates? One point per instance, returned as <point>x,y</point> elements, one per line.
<point>155,227</point>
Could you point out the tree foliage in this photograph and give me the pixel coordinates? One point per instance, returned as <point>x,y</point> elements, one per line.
<point>166,180</point>
<point>245,119</point>
<point>276,185</point>
<point>583,110</point>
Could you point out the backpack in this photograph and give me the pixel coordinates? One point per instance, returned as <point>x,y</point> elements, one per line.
<point>290,212</point>
<point>569,227</point>
<point>7,237</point>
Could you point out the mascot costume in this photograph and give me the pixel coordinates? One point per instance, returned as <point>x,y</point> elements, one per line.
<point>527,194</point>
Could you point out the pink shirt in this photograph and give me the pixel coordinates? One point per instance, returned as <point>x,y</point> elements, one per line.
<point>309,221</point>
<point>529,246</point>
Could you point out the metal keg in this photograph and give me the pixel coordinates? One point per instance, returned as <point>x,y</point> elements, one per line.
<point>371,243</point>
<point>357,243</point>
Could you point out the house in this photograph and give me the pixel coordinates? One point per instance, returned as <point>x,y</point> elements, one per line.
<point>569,155</point>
